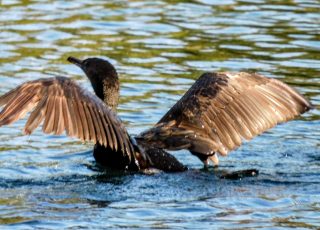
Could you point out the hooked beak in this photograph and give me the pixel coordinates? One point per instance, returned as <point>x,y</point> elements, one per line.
<point>76,61</point>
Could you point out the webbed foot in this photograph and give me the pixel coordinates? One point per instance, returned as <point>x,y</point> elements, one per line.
<point>238,175</point>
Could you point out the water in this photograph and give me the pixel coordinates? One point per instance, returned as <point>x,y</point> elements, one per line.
<point>160,48</point>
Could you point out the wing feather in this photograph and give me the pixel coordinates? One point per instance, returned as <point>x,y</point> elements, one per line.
<point>91,129</point>
<point>77,115</point>
<point>60,126</point>
<point>73,125</point>
<point>49,116</point>
<point>98,124</point>
<point>61,105</point>
<point>108,138</point>
<point>67,121</point>
<point>222,109</point>
<point>113,138</point>
<point>83,120</point>
<point>36,117</point>
<point>102,129</point>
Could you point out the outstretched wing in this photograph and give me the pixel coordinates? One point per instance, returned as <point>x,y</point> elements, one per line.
<point>62,105</point>
<point>222,109</point>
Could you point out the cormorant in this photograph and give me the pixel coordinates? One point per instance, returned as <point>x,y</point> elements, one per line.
<point>213,117</point>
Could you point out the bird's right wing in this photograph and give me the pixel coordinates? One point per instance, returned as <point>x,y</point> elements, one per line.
<point>62,105</point>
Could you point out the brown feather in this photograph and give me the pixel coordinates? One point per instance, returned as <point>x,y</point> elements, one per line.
<point>73,125</point>
<point>80,133</point>
<point>91,131</point>
<point>67,121</point>
<point>103,134</point>
<point>289,112</point>
<point>223,133</point>
<point>113,140</point>
<point>5,98</point>
<point>239,122</point>
<point>97,123</point>
<point>107,139</point>
<point>231,127</point>
<point>83,119</point>
<point>49,116</point>
<point>8,114</point>
<point>221,109</point>
<point>62,105</point>
<point>119,138</point>
<point>36,117</point>
<point>59,125</point>
<point>56,111</point>
<point>94,123</point>
<point>280,112</point>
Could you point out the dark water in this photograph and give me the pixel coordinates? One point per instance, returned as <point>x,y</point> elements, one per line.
<point>159,48</point>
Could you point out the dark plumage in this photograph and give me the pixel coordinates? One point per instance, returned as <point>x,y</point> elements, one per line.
<point>214,115</point>
<point>222,109</point>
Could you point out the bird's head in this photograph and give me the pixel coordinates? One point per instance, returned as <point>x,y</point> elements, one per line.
<point>101,73</point>
<point>96,69</point>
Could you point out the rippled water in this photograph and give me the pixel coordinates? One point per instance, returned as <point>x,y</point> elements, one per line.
<point>159,48</point>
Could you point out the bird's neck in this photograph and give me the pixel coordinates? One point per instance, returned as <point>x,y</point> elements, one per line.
<point>111,93</point>
<point>108,91</point>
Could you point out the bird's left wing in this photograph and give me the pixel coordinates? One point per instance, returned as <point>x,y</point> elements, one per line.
<point>222,109</point>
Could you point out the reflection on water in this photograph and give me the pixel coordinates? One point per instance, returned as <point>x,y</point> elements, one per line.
<point>159,48</point>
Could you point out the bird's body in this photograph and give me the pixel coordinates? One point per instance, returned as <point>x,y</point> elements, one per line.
<point>213,117</point>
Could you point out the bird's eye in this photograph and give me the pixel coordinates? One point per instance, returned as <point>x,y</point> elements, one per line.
<point>85,63</point>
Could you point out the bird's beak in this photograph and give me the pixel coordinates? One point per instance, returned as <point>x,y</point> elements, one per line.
<point>76,61</point>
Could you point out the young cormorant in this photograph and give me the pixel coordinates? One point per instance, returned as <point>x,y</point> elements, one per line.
<point>213,117</point>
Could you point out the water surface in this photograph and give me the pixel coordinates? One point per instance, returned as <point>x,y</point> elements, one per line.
<point>160,48</point>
